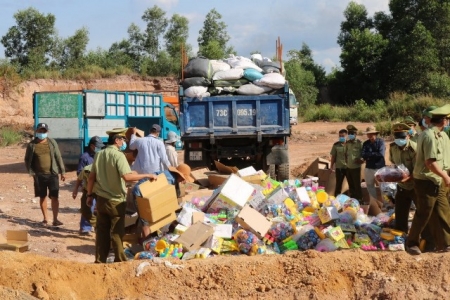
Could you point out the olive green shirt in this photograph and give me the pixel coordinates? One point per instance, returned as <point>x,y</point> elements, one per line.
<point>430,145</point>
<point>84,175</point>
<point>405,156</point>
<point>414,137</point>
<point>352,151</point>
<point>338,152</point>
<point>42,161</point>
<point>109,166</point>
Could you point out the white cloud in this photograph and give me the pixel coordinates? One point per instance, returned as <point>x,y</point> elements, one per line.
<point>167,4</point>
<point>373,6</point>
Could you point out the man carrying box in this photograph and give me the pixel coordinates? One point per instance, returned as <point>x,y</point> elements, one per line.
<point>107,179</point>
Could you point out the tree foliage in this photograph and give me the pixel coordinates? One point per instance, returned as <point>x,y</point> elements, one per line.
<point>157,23</point>
<point>30,41</point>
<point>213,37</point>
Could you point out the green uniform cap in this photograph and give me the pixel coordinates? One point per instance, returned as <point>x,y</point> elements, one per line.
<point>409,121</point>
<point>400,127</point>
<point>426,111</point>
<point>351,128</point>
<point>442,111</point>
<point>119,131</point>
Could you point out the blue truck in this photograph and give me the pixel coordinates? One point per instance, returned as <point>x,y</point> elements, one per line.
<point>74,117</point>
<point>237,130</point>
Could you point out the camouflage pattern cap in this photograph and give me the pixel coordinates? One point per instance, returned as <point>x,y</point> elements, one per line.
<point>350,127</point>
<point>409,121</point>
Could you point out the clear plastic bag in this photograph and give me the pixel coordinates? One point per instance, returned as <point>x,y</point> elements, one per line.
<point>392,173</point>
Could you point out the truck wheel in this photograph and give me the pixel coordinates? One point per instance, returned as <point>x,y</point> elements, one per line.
<point>283,172</point>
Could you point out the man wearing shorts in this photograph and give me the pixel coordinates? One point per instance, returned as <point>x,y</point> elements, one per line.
<point>44,162</point>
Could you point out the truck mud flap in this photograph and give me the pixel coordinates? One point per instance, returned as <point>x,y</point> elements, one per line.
<point>278,156</point>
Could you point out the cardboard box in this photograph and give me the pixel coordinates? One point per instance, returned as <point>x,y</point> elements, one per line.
<point>139,133</point>
<point>155,226</point>
<point>216,179</point>
<point>16,240</point>
<point>251,220</point>
<point>197,194</point>
<point>190,187</point>
<point>249,171</point>
<point>225,169</point>
<point>159,199</point>
<point>201,176</point>
<point>234,193</point>
<point>315,166</point>
<point>365,193</point>
<point>327,179</point>
<point>195,236</point>
<point>131,238</point>
<point>224,231</point>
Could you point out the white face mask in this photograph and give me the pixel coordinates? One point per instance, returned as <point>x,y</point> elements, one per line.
<point>424,124</point>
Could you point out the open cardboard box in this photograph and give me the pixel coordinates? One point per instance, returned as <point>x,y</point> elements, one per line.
<point>201,176</point>
<point>195,236</point>
<point>158,202</point>
<point>251,220</point>
<point>16,240</point>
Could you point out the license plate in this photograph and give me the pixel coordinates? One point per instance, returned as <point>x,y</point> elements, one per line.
<point>195,155</point>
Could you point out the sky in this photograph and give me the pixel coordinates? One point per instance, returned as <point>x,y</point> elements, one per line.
<point>252,25</point>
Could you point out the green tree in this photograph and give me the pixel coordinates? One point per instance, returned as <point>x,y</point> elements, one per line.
<point>301,81</point>
<point>304,56</point>
<point>156,26</point>
<point>213,37</point>
<point>29,42</point>
<point>176,35</point>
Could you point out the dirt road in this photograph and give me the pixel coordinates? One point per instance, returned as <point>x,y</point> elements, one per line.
<point>59,260</point>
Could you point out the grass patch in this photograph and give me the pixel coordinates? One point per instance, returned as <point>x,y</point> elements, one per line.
<point>393,109</point>
<point>9,136</point>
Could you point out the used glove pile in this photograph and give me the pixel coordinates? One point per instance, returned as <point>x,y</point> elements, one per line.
<point>234,75</point>
<point>270,217</point>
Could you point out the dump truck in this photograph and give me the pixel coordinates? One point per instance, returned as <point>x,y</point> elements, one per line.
<point>74,117</point>
<point>237,130</point>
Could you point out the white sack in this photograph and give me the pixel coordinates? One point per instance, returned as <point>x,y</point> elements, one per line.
<point>251,89</point>
<point>273,80</point>
<point>197,92</point>
<point>232,74</point>
<point>218,65</point>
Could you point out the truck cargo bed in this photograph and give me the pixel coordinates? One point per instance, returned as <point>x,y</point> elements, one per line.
<point>237,115</point>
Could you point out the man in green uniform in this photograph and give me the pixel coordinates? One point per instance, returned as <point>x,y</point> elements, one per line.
<point>107,179</point>
<point>338,164</point>
<point>431,183</point>
<point>403,152</point>
<point>413,135</point>
<point>352,153</point>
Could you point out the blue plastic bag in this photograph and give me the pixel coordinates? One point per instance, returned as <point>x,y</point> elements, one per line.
<point>252,74</point>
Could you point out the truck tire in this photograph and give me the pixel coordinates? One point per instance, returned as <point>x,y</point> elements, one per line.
<point>282,172</point>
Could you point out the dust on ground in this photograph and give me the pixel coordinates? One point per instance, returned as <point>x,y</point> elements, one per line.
<point>59,263</point>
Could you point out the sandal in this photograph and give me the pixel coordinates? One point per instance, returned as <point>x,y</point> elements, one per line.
<point>57,223</point>
<point>44,223</point>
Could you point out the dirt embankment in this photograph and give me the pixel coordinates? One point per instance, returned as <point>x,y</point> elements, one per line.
<point>17,107</point>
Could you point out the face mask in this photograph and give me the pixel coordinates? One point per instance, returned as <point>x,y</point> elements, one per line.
<point>410,132</point>
<point>351,136</point>
<point>41,136</point>
<point>342,139</point>
<point>124,146</point>
<point>97,149</point>
<point>446,127</point>
<point>424,124</point>
<point>401,142</point>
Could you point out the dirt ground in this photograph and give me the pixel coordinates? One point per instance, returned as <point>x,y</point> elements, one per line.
<point>59,263</point>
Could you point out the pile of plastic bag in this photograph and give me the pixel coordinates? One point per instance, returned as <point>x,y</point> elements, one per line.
<point>270,217</point>
<point>233,75</point>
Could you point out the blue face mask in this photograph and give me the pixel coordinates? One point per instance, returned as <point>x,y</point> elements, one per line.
<point>400,142</point>
<point>41,136</point>
<point>410,132</point>
<point>97,149</point>
<point>124,146</point>
<point>351,136</point>
<point>342,139</point>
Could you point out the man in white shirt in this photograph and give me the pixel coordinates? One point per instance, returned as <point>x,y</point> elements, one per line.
<point>151,157</point>
<point>171,152</point>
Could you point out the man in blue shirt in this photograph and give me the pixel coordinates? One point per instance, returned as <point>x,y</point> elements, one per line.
<point>372,152</point>
<point>151,157</point>
<point>87,219</point>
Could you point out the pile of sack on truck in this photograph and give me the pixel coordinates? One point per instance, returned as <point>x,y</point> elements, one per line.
<point>250,213</point>
<point>234,75</point>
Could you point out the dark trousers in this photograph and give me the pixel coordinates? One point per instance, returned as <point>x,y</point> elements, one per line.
<point>432,208</point>
<point>354,183</point>
<point>403,200</point>
<point>87,211</point>
<point>110,228</point>
<point>340,175</point>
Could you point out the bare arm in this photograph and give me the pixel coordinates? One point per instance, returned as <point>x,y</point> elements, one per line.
<point>136,177</point>
<point>76,187</point>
